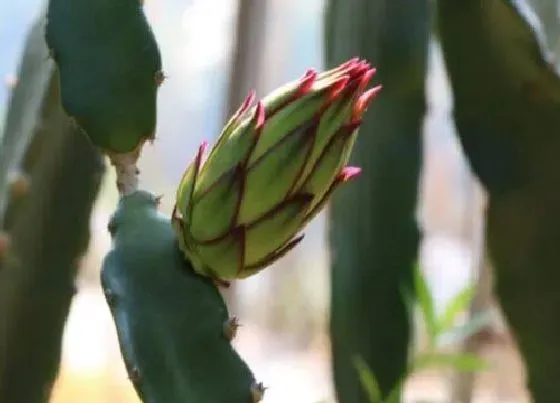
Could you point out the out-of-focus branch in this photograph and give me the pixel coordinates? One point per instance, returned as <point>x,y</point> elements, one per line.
<point>47,225</point>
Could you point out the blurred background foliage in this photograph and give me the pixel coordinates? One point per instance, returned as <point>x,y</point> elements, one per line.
<point>284,310</point>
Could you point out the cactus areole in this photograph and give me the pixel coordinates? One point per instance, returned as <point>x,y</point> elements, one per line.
<point>273,168</point>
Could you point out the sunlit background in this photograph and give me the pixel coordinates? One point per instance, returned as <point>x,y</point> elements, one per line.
<point>284,310</point>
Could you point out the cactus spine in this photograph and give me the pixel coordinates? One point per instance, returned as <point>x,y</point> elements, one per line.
<point>507,112</point>
<point>173,326</point>
<point>49,179</point>
<point>373,233</point>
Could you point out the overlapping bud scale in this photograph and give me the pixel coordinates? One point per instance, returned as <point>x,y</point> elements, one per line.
<point>272,169</point>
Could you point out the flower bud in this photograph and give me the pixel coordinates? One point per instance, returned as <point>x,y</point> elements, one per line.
<point>272,170</point>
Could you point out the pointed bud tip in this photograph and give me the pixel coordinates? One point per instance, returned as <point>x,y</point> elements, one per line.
<point>363,101</point>
<point>349,173</point>
<point>200,155</point>
<point>259,116</point>
<point>250,96</point>
<point>310,72</point>
<point>366,78</point>
<point>338,86</point>
<point>247,102</point>
<point>203,146</point>
<point>350,62</point>
<point>245,105</point>
<point>306,82</point>
<point>359,69</point>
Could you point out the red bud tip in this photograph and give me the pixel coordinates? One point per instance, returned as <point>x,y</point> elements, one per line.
<point>306,83</point>
<point>350,62</point>
<point>346,66</point>
<point>338,86</point>
<point>349,173</point>
<point>259,116</point>
<point>366,79</point>
<point>363,102</point>
<point>360,68</point>
<point>310,72</point>
<point>246,103</point>
<point>201,150</point>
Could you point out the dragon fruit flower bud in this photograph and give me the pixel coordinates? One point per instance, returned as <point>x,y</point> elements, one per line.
<point>273,168</point>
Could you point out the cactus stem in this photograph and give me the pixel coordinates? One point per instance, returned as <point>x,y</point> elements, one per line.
<point>257,392</point>
<point>230,328</point>
<point>127,170</point>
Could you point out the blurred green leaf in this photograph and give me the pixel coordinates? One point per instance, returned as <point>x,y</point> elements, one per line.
<point>460,302</point>
<point>368,380</point>
<point>475,324</point>
<point>459,361</point>
<point>395,395</point>
<point>426,302</point>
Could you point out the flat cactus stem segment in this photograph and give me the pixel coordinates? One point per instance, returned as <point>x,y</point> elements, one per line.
<point>110,69</point>
<point>507,114</point>
<point>170,321</point>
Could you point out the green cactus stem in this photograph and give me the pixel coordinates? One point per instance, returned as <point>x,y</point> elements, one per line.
<point>507,112</point>
<point>373,232</point>
<point>173,325</point>
<point>49,179</point>
<point>110,70</point>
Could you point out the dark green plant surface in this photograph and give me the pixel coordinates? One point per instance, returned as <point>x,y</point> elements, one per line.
<point>46,218</point>
<point>110,69</point>
<point>507,112</point>
<point>373,232</point>
<point>172,324</point>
